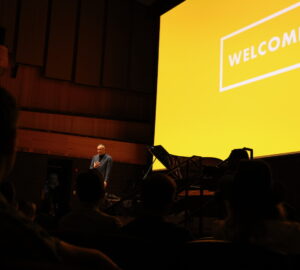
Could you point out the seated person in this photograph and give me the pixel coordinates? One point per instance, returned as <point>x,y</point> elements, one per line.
<point>88,217</point>
<point>21,240</point>
<point>228,169</point>
<point>255,212</point>
<point>158,195</point>
<point>51,195</point>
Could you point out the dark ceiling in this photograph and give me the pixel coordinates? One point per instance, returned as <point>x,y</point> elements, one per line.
<point>161,6</point>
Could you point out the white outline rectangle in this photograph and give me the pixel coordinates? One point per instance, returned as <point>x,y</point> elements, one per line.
<point>266,75</point>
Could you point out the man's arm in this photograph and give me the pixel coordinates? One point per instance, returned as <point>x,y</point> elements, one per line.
<point>108,169</point>
<point>92,163</point>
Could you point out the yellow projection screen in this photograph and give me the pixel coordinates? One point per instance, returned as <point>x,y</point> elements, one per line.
<point>229,77</point>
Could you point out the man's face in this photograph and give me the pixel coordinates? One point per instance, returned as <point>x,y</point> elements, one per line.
<point>100,149</point>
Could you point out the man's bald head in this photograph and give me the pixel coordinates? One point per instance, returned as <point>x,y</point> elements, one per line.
<point>101,149</point>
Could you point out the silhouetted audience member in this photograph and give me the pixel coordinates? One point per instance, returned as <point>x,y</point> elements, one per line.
<point>88,217</point>
<point>232,162</point>
<point>20,238</point>
<point>158,195</point>
<point>45,218</point>
<point>161,241</point>
<point>229,168</point>
<point>51,195</point>
<point>255,213</point>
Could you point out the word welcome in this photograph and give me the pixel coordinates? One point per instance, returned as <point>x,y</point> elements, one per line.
<point>272,45</point>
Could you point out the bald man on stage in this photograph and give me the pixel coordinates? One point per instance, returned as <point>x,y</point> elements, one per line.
<point>102,162</point>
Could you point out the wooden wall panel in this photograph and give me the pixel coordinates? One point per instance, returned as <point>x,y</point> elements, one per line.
<point>79,147</point>
<point>32,32</point>
<point>8,18</point>
<point>34,92</point>
<point>144,50</point>
<point>93,127</point>
<point>117,44</point>
<point>90,42</point>
<point>62,39</point>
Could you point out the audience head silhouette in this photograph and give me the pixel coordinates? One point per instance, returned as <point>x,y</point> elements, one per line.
<point>257,215</point>
<point>90,187</point>
<point>253,190</point>
<point>235,157</point>
<point>158,193</point>
<point>8,121</point>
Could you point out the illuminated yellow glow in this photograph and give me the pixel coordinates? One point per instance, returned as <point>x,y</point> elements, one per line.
<point>192,116</point>
<point>247,56</point>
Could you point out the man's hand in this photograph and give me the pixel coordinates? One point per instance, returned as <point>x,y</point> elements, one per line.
<point>96,164</point>
<point>105,183</point>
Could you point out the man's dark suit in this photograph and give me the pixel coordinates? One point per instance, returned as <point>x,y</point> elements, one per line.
<point>105,165</point>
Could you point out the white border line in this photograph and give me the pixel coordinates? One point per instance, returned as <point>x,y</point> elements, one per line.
<point>262,20</point>
<point>221,66</point>
<point>267,75</point>
<point>270,74</point>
